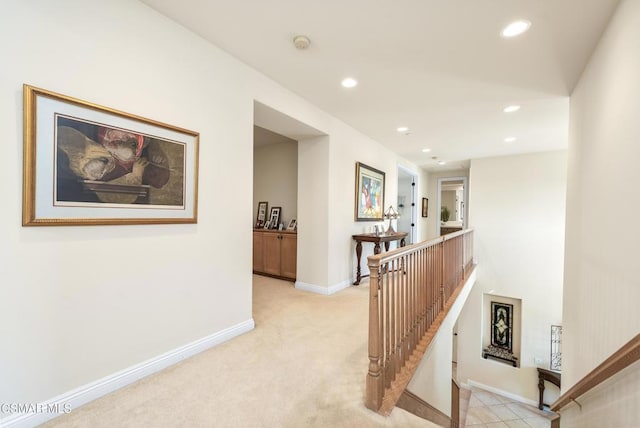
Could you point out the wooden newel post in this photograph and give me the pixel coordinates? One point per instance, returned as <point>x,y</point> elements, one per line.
<point>375,381</point>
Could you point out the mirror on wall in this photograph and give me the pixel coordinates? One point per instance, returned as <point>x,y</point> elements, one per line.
<point>452,204</point>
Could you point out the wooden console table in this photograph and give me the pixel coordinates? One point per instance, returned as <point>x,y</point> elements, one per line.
<point>550,376</point>
<point>376,239</point>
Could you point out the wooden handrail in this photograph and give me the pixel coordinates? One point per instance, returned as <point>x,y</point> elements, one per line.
<point>424,244</point>
<point>622,358</point>
<point>410,289</point>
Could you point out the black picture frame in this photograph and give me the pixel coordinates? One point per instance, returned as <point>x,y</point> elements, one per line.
<point>425,207</point>
<point>261,216</point>
<point>274,217</point>
<point>502,325</point>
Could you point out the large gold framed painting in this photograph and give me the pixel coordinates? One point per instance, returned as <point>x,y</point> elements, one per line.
<point>85,164</point>
<point>369,193</point>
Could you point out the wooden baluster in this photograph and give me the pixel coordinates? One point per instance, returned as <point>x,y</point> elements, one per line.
<point>443,278</point>
<point>435,285</point>
<point>427,286</point>
<point>407,277</point>
<point>404,315</point>
<point>420,296</point>
<point>414,292</point>
<point>431,273</point>
<point>387,331</point>
<point>399,319</point>
<point>418,306</point>
<point>396,368</point>
<point>375,389</point>
<point>410,279</point>
<point>392,317</point>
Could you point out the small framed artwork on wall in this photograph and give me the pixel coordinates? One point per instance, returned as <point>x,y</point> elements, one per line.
<point>425,207</point>
<point>274,217</point>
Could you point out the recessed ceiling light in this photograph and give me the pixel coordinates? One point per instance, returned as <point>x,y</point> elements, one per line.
<point>516,28</point>
<point>349,82</point>
<point>426,150</point>
<point>511,109</point>
<point>442,163</point>
<point>510,139</point>
<point>402,129</point>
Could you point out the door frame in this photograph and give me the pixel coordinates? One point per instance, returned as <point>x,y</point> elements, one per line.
<point>414,203</point>
<point>465,193</point>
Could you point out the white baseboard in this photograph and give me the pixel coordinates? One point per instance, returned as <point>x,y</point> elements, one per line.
<point>339,286</point>
<point>84,394</point>
<point>326,291</point>
<point>515,397</point>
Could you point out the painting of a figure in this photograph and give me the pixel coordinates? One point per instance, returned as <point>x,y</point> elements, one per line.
<point>369,193</point>
<point>96,163</point>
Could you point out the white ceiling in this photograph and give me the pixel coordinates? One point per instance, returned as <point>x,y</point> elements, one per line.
<point>439,67</point>
<point>264,137</point>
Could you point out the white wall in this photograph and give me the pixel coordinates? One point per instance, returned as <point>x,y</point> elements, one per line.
<point>67,317</point>
<point>602,285</point>
<point>423,192</point>
<point>275,179</point>
<point>341,179</point>
<point>517,210</point>
<point>313,222</point>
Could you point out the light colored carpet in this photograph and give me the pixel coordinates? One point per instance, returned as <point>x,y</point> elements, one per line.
<point>304,365</point>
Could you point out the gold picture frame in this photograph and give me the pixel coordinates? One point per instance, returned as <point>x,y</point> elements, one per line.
<point>85,164</point>
<point>369,204</point>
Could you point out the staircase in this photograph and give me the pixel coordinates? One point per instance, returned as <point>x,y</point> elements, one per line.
<point>411,291</point>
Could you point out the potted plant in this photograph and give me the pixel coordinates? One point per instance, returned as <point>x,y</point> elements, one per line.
<point>444,214</point>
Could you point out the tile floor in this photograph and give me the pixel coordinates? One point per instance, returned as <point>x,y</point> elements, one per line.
<point>488,410</point>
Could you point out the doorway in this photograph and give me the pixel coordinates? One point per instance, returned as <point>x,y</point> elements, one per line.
<point>283,148</point>
<point>407,206</point>
<point>452,211</point>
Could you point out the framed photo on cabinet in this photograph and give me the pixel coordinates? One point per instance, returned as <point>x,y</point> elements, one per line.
<point>274,217</point>
<point>86,164</point>
<point>261,217</point>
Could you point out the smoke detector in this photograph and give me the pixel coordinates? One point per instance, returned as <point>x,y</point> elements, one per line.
<point>301,42</point>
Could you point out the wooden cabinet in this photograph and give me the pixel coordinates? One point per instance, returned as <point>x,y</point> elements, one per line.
<point>289,255</point>
<point>444,230</point>
<point>275,253</point>
<point>258,252</point>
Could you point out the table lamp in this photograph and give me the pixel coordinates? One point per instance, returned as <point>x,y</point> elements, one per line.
<point>391,214</point>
